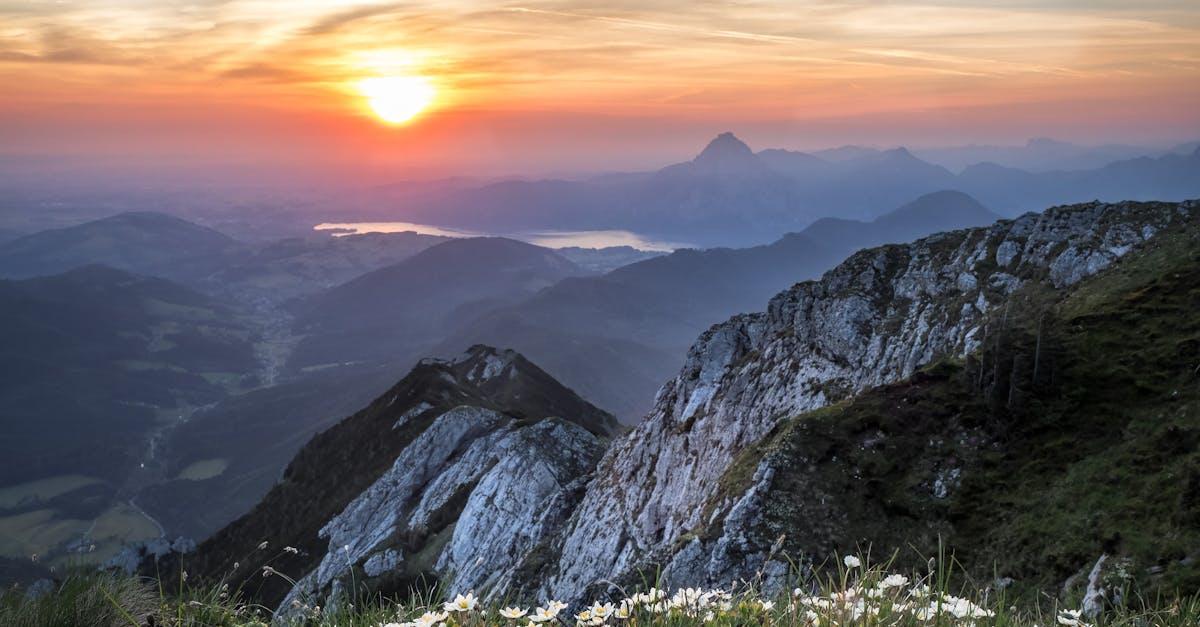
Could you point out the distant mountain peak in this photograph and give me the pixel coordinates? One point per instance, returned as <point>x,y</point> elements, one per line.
<point>897,153</point>
<point>726,154</point>
<point>1044,142</point>
<point>727,138</point>
<point>941,210</point>
<point>723,146</point>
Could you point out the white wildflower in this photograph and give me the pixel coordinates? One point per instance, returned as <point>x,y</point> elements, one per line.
<point>429,619</point>
<point>660,607</point>
<point>851,562</point>
<point>543,614</point>
<point>461,603</point>
<point>1071,618</point>
<point>963,608</point>
<point>513,612</point>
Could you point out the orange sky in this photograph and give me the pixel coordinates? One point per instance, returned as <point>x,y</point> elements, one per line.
<point>561,85</point>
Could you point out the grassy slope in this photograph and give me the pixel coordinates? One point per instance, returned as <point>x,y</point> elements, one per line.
<point>1095,454</point>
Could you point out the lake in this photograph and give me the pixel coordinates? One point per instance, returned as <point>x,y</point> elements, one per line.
<point>549,239</point>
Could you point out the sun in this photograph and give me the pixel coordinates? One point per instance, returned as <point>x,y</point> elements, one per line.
<point>397,99</point>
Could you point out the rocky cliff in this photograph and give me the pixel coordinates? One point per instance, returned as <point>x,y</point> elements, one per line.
<point>873,320</point>
<point>444,477</point>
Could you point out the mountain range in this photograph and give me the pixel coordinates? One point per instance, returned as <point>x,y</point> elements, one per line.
<point>1043,154</point>
<point>293,268</point>
<point>303,331</point>
<point>1024,389</point>
<point>403,308</point>
<point>730,195</point>
<point>142,242</point>
<point>635,324</point>
<point>158,244</point>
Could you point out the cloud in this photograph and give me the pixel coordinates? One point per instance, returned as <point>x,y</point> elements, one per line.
<point>336,21</point>
<point>665,26</point>
<point>267,73</point>
<point>56,44</point>
<point>616,56</point>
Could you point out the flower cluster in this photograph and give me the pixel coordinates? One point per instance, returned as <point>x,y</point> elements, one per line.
<point>880,595</point>
<point>861,596</point>
<point>462,607</point>
<point>428,619</point>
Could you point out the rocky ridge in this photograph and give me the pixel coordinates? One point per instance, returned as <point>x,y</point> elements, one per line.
<point>873,320</point>
<point>444,477</point>
<point>481,470</point>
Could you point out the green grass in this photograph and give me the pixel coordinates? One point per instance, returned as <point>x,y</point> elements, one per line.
<point>119,525</point>
<point>36,533</point>
<point>843,595</point>
<point>42,534</point>
<point>94,600</point>
<point>204,469</point>
<point>42,489</point>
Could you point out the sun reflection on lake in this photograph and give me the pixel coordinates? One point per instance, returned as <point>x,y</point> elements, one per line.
<point>549,239</point>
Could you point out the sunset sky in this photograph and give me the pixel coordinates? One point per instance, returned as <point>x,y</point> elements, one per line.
<point>543,86</point>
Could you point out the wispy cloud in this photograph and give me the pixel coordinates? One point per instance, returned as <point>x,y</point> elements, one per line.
<point>767,57</point>
<point>336,21</point>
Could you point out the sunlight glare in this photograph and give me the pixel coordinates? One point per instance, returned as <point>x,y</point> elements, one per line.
<point>397,99</point>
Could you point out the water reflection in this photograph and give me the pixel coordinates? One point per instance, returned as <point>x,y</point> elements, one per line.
<point>549,239</point>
